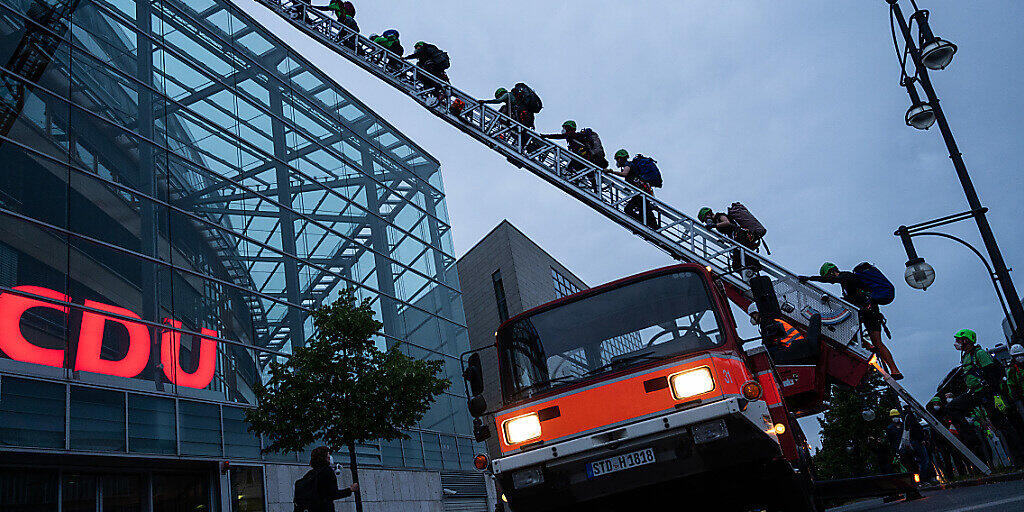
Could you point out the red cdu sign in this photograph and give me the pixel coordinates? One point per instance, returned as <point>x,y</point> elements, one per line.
<point>90,340</point>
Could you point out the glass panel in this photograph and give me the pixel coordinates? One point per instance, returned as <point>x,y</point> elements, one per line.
<point>246,489</point>
<point>122,493</point>
<point>181,492</point>
<point>413,450</point>
<point>78,493</point>
<point>431,451</point>
<point>31,413</point>
<point>97,419</point>
<point>449,452</point>
<point>200,428</point>
<point>238,441</point>
<point>24,490</point>
<point>151,424</point>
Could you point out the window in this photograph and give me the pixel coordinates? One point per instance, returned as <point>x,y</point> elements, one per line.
<point>499,296</point>
<point>563,286</point>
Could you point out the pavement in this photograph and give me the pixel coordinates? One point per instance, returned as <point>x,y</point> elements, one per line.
<point>995,497</point>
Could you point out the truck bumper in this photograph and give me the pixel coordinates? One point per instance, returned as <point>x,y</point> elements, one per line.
<point>677,454</point>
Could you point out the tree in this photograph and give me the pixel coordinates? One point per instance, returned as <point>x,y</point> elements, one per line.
<point>850,444</point>
<point>340,389</point>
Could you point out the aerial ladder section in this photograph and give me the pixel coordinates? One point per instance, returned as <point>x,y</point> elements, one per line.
<point>684,238</point>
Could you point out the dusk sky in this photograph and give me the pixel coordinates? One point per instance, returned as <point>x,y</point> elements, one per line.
<point>792,108</point>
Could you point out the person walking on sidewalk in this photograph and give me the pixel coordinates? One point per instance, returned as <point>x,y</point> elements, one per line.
<point>318,488</point>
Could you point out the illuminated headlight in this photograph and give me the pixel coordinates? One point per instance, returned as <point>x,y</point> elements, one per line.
<point>523,428</point>
<point>692,383</point>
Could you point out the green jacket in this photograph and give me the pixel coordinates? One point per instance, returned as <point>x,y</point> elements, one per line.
<point>975,362</point>
<point>1015,381</point>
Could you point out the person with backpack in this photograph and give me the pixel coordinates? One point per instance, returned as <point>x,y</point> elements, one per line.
<point>389,40</point>
<point>585,143</point>
<point>740,225</point>
<point>318,488</point>
<point>433,60</point>
<point>867,288</point>
<point>642,172</point>
<point>521,103</point>
<point>345,12</point>
<point>983,382</point>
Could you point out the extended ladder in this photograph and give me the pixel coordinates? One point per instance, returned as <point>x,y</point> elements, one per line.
<point>681,236</point>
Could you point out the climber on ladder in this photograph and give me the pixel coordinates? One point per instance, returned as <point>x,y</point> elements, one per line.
<point>642,172</point>
<point>866,288</point>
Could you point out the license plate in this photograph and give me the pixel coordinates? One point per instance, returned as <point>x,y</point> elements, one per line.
<point>621,462</point>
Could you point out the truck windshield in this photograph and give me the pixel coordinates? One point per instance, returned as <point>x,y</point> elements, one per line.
<point>649,319</point>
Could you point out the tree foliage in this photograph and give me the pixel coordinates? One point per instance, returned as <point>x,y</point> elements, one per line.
<point>340,388</point>
<point>850,445</point>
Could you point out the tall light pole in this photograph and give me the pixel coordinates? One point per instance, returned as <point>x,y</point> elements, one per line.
<point>935,53</point>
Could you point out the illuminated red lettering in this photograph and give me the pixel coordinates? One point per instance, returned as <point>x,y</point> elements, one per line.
<point>90,341</point>
<point>12,342</point>
<point>170,357</point>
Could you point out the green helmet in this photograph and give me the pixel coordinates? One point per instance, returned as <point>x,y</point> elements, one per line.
<point>570,124</point>
<point>827,267</point>
<point>622,153</point>
<point>417,45</point>
<point>704,212</point>
<point>500,92</point>
<point>967,334</point>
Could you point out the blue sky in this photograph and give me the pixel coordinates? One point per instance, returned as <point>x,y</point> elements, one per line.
<point>791,107</point>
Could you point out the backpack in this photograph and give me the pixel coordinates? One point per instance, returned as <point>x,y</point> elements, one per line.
<point>592,142</point>
<point>646,169</point>
<point>746,221</point>
<point>442,60</point>
<point>306,491</point>
<point>527,98</point>
<point>879,287</point>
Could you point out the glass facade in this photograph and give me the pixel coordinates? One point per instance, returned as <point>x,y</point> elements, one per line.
<point>180,190</point>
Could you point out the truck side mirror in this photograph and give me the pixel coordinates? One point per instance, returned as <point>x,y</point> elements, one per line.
<point>474,374</point>
<point>764,295</point>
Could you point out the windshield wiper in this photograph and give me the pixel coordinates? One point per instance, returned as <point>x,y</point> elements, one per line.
<point>557,380</point>
<point>625,360</point>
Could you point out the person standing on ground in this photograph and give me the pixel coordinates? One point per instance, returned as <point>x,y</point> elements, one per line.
<point>1015,388</point>
<point>641,172</point>
<point>983,379</point>
<point>857,294</point>
<point>318,488</point>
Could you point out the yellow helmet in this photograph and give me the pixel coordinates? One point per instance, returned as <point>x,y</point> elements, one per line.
<point>894,413</point>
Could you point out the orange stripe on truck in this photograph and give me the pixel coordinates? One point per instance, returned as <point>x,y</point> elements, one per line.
<point>601,404</point>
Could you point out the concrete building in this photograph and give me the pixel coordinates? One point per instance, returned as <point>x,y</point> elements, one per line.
<point>180,190</point>
<point>504,274</point>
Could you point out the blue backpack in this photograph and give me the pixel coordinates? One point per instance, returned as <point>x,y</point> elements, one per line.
<point>881,289</point>
<point>646,169</point>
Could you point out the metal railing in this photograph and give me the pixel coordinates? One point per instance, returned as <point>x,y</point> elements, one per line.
<point>678,234</point>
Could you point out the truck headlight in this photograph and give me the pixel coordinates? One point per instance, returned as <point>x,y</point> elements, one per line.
<point>692,383</point>
<point>522,428</point>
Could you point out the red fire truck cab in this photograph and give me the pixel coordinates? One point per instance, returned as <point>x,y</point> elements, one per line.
<point>640,393</point>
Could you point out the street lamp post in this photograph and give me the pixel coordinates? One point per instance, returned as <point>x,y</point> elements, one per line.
<point>937,54</point>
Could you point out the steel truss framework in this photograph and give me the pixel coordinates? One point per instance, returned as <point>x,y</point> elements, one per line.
<point>290,188</point>
<point>327,151</point>
<point>681,236</point>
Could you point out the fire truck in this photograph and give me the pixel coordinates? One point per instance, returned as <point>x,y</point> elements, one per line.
<point>641,393</point>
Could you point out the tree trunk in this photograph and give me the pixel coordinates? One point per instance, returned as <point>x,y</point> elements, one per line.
<point>355,475</point>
